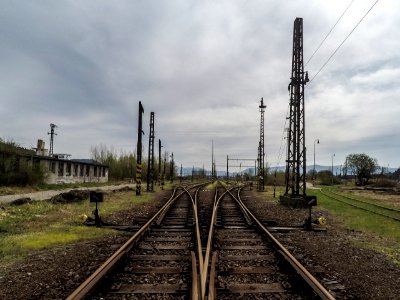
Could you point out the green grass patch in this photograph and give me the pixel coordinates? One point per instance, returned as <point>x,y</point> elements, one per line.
<point>41,224</point>
<point>383,233</point>
<point>358,219</point>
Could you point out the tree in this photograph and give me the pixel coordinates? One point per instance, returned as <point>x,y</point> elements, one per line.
<point>326,177</point>
<point>362,166</point>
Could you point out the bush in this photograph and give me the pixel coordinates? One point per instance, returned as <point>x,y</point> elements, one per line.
<point>279,179</point>
<point>383,182</point>
<point>325,178</point>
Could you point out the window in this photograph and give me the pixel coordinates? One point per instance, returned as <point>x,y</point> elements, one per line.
<point>75,168</point>
<point>68,172</point>
<point>87,170</point>
<point>95,171</point>
<point>60,169</point>
<point>81,171</point>
<point>36,164</point>
<point>53,167</point>
<point>104,171</point>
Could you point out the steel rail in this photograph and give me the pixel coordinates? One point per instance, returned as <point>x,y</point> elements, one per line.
<point>361,201</point>
<point>242,208</point>
<point>93,280</point>
<point>197,226</point>
<point>195,289</point>
<point>212,293</point>
<point>301,270</point>
<point>209,240</point>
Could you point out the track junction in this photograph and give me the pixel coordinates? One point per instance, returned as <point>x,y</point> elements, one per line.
<point>213,248</point>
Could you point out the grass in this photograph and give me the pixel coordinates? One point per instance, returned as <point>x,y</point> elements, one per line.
<point>41,224</point>
<point>383,235</point>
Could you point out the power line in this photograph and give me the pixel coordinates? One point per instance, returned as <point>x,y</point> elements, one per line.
<point>281,149</point>
<point>373,5</point>
<point>329,33</point>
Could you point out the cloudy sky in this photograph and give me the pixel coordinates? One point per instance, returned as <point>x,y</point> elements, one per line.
<point>202,67</point>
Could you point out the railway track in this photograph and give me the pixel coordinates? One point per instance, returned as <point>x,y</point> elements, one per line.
<point>249,263</point>
<point>158,262</point>
<point>387,212</point>
<point>229,254</point>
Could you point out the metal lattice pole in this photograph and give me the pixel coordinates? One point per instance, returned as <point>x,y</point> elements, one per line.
<point>261,154</point>
<point>296,154</point>
<point>52,134</point>
<point>159,162</point>
<point>139,152</point>
<point>150,166</point>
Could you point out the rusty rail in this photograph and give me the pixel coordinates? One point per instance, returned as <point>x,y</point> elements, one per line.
<point>92,281</point>
<point>211,287</point>
<point>204,270</point>
<point>318,288</point>
<point>195,289</point>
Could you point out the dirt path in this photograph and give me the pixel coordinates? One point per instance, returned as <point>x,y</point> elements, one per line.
<point>48,194</point>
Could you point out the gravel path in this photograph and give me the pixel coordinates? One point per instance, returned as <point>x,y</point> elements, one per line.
<point>48,194</point>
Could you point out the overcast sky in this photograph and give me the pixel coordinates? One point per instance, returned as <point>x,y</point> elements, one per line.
<point>202,67</point>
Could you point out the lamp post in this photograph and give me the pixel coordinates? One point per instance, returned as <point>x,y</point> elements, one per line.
<point>313,175</point>
<point>332,166</point>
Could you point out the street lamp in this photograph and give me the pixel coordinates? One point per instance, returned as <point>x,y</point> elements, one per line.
<point>332,166</point>
<point>316,140</point>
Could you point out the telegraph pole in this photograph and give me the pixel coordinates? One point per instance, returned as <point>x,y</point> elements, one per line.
<point>139,152</point>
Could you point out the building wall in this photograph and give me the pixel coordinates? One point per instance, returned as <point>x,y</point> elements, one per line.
<point>65,171</point>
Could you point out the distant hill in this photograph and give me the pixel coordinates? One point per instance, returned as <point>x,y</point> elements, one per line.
<point>337,169</point>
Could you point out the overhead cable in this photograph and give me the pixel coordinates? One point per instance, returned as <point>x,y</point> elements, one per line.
<point>329,33</point>
<point>281,149</point>
<point>334,52</point>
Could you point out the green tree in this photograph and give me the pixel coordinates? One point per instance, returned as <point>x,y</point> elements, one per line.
<point>362,166</point>
<point>123,166</point>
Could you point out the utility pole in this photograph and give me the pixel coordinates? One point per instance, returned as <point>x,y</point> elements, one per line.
<point>261,148</point>
<point>296,152</point>
<point>150,165</point>
<point>172,168</point>
<point>165,164</point>
<point>52,134</point>
<point>212,159</point>
<point>139,152</point>
<point>227,168</point>
<point>159,162</point>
